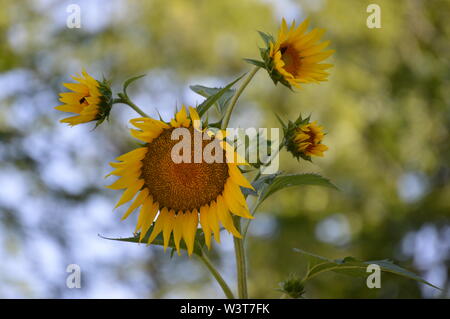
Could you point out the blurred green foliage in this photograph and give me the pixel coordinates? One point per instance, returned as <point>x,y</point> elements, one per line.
<point>385,108</point>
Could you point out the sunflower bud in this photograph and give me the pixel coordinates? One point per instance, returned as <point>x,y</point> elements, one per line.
<point>304,138</point>
<point>292,287</point>
<point>90,99</point>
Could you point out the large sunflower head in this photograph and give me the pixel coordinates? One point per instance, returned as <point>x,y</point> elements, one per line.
<point>304,138</point>
<point>294,57</point>
<point>176,196</point>
<point>90,99</point>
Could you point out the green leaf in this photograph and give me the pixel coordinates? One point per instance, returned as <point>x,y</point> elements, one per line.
<point>261,64</point>
<point>354,267</point>
<point>283,181</point>
<point>159,241</point>
<point>266,37</point>
<point>248,191</point>
<point>204,107</point>
<point>264,181</point>
<point>206,92</point>
<point>129,81</point>
<point>260,185</point>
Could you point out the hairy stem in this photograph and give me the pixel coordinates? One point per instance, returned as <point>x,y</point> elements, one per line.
<point>258,175</point>
<point>226,118</point>
<point>125,100</point>
<point>238,242</point>
<point>241,266</point>
<point>226,289</point>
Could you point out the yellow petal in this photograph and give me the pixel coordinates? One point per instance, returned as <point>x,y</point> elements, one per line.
<point>130,192</point>
<point>147,136</point>
<point>232,203</point>
<point>190,229</point>
<point>159,224</point>
<point>237,176</point>
<point>225,217</point>
<point>69,108</point>
<point>168,227</point>
<point>74,120</point>
<point>213,220</point>
<point>236,194</point>
<point>136,154</point>
<point>127,171</point>
<point>137,202</point>
<point>195,118</point>
<point>204,222</point>
<point>146,123</point>
<point>77,87</point>
<point>178,230</point>
<point>71,97</point>
<point>147,214</point>
<point>181,117</point>
<point>123,182</point>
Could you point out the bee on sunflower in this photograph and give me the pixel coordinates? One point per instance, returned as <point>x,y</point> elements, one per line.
<point>90,99</point>
<point>178,196</point>
<point>295,57</point>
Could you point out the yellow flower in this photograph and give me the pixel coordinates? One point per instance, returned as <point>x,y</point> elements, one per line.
<point>90,99</point>
<point>294,58</point>
<point>175,197</point>
<point>303,138</point>
<point>308,139</point>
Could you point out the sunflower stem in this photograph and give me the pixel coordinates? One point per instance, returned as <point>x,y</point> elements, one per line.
<point>226,118</point>
<point>241,265</point>
<point>247,225</point>
<point>126,100</point>
<point>238,242</point>
<point>258,175</point>
<point>226,289</point>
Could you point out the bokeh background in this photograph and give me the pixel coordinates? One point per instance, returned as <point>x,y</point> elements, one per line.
<point>385,108</point>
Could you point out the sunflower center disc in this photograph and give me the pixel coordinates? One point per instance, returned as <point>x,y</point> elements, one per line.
<point>181,186</point>
<point>292,59</point>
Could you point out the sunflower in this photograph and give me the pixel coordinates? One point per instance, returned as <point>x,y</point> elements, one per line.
<point>307,140</point>
<point>90,99</point>
<point>294,58</point>
<point>176,197</point>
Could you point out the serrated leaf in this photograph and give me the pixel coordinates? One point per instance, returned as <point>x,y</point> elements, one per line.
<point>259,185</point>
<point>159,241</point>
<point>265,181</point>
<point>204,107</point>
<point>283,181</point>
<point>354,267</point>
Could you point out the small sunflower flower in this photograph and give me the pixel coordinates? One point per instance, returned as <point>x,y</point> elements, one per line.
<point>176,197</point>
<point>304,139</point>
<point>294,57</point>
<point>90,99</point>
